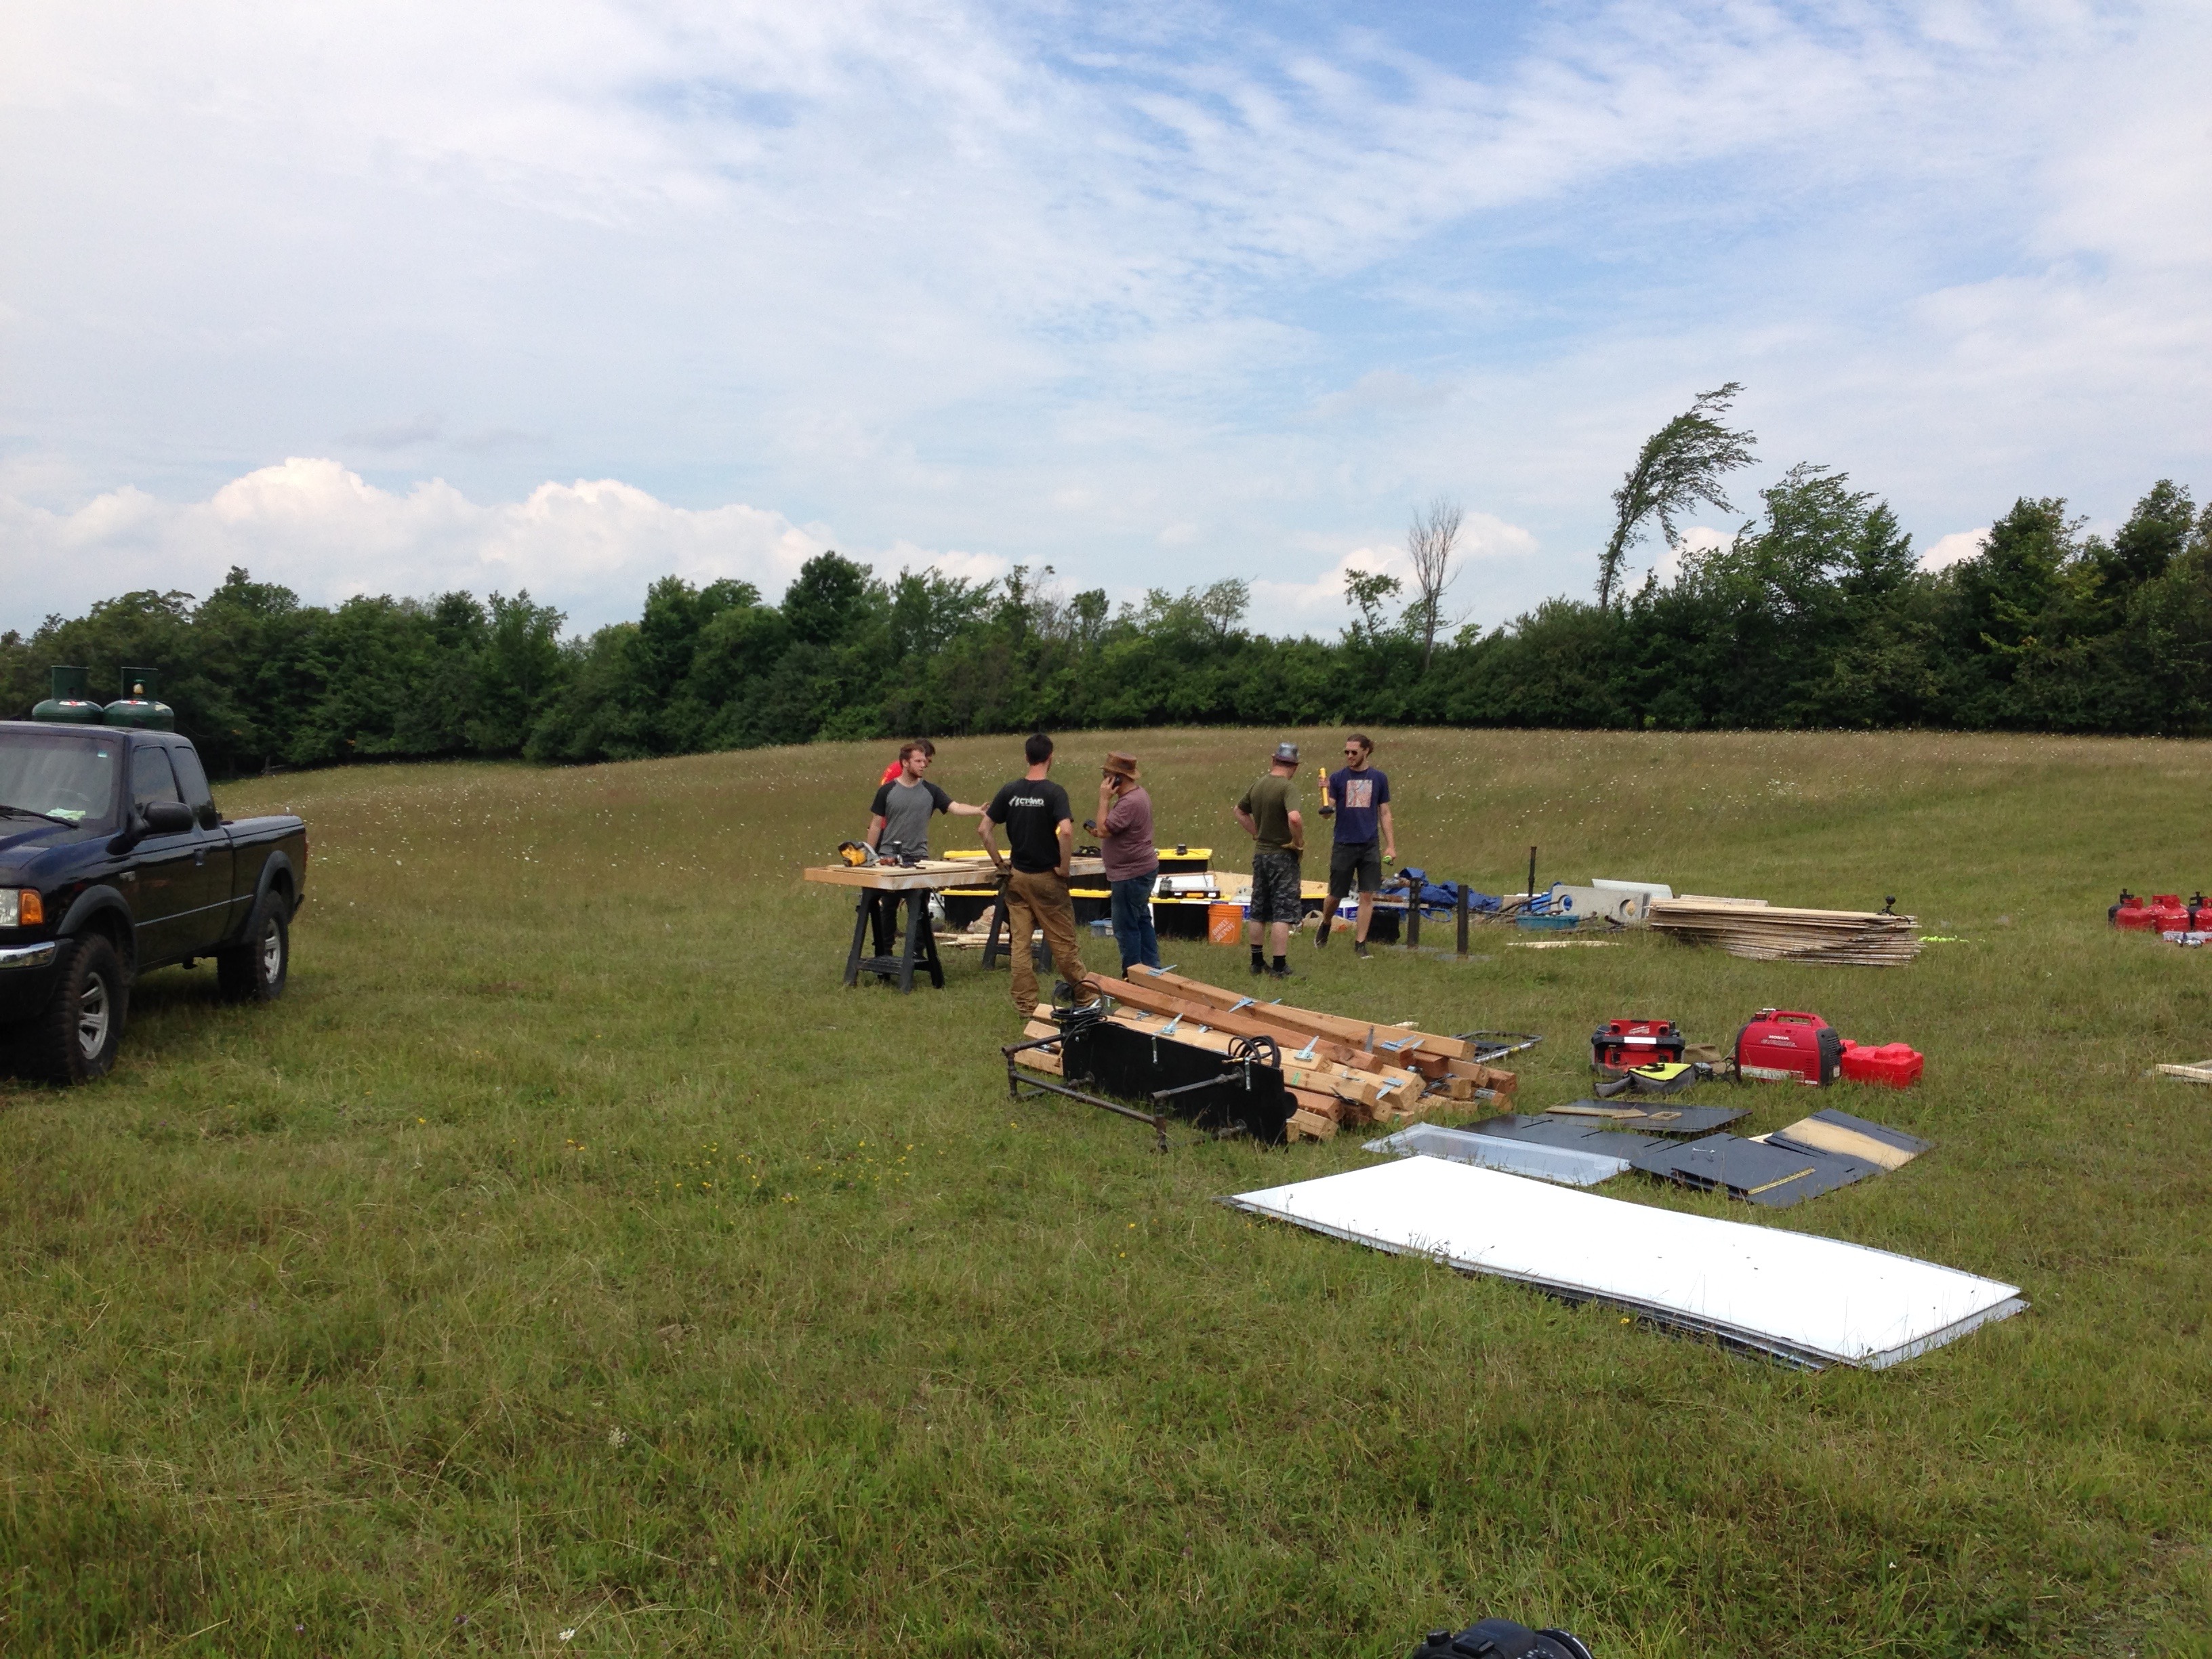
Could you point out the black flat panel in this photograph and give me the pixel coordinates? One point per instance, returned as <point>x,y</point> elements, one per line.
<point>1776,1176</point>
<point>1582,1134</point>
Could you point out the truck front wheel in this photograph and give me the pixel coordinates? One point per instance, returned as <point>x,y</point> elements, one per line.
<point>255,971</point>
<point>75,1038</point>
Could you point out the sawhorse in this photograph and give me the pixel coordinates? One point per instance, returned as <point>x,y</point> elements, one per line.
<point>998,919</point>
<point>880,911</point>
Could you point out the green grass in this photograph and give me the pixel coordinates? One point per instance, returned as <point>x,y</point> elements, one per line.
<point>568,1252</point>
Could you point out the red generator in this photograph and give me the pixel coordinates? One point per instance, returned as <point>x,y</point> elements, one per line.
<point>1621,1044</point>
<point>1896,1065</point>
<point>1780,1046</point>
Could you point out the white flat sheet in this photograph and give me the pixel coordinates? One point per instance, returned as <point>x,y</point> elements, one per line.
<point>1808,1301</point>
<point>1567,1165</point>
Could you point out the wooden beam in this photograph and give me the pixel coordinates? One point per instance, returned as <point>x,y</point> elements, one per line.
<point>1357,1034</point>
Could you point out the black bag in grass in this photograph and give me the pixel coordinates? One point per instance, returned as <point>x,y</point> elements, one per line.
<point>1500,1639</point>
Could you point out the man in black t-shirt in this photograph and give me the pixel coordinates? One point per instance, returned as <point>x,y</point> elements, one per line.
<point>1040,839</point>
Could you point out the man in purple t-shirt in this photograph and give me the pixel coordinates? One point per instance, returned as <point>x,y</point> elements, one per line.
<point>1358,799</point>
<point>1124,829</point>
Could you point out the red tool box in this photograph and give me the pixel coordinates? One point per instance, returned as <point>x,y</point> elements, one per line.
<point>1780,1046</point>
<point>1896,1064</point>
<point>1621,1044</point>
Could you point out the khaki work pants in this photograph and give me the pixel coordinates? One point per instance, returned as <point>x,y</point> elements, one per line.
<point>1041,901</point>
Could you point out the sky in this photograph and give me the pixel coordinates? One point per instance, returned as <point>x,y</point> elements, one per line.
<point>571,295</point>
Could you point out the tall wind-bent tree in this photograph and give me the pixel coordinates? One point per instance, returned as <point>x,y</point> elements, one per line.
<point>1680,466</point>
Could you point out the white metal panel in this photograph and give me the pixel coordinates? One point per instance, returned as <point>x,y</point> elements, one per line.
<point>1813,1301</point>
<point>1570,1166</point>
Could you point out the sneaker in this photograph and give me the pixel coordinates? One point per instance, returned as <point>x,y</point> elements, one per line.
<point>1258,966</point>
<point>1359,949</point>
<point>1283,972</point>
<point>1321,936</point>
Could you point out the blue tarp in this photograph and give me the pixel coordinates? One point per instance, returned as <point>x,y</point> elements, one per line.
<point>1443,895</point>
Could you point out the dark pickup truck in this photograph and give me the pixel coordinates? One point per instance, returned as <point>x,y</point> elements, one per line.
<point>113,861</point>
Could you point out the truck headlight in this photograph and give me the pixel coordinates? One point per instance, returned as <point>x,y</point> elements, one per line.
<point>20,906</point>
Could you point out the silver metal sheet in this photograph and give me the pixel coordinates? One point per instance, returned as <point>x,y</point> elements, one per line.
<point>1568,1166</point>
<point>1803,1300</point>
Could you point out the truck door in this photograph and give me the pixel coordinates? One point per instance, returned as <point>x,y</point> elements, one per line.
<point>166,876</point>
<point>217,906</point>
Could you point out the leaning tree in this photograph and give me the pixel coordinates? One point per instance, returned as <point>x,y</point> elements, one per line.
<point>1680,467</point>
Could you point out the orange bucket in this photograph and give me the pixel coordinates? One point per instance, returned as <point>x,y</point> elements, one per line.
<point>1225,923</point>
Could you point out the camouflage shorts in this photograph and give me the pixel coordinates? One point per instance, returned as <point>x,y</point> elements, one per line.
<point>1275,887</point>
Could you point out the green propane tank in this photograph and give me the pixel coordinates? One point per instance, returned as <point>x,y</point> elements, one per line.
<point>136,707</point>
<point>68,704</point>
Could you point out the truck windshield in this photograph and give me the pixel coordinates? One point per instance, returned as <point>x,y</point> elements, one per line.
<point>63,776</point>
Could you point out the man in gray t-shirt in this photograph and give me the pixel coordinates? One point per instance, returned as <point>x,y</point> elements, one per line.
<point>901,811</point>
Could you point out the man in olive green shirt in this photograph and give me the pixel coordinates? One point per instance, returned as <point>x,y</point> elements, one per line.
<point>1269,814</point>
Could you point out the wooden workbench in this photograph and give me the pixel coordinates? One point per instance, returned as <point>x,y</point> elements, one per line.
<point>883,887</point>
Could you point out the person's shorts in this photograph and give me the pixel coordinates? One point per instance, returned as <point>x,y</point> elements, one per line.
<point>1354,868</point>
<point>1275,887</point>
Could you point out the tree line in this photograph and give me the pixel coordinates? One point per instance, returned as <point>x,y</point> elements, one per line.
<point>1815,614</point>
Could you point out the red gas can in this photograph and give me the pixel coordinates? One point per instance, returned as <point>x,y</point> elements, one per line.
<point>1895,1064</point>
<point>1621,1043</point>
<point>2132,913</point>
<point>2172,914</point>
<point>1780,1046</point>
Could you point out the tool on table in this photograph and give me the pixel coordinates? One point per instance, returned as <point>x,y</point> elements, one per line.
<point>857,854</point>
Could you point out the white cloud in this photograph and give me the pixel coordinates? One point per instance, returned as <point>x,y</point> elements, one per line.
<point>1947,550</point>
<point>1319,606</point>
<point>320,529</point>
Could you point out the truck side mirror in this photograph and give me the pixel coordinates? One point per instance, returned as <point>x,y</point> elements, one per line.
<point>168,817</point>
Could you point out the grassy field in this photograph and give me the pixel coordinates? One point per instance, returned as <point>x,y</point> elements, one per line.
<point>569,1265</point>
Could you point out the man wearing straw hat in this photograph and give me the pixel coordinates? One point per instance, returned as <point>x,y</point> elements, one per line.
<point>1124,829</point>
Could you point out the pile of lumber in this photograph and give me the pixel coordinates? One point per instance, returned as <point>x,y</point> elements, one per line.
<point>1341,1071</point>
<point>1773,933</point>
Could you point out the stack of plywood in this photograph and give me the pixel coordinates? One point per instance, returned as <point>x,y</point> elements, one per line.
<point>1341,1071</point>
<point>1773,933</point>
